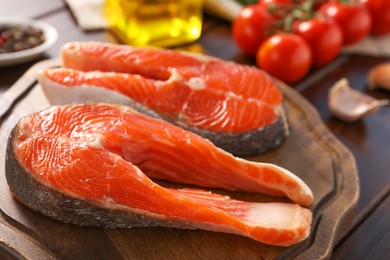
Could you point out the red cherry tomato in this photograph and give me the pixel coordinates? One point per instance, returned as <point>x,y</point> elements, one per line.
<point>354,20</point>
<point>251,27</point>
<point>324,37</point>
<point>380,15</point>
<point>285,56</point>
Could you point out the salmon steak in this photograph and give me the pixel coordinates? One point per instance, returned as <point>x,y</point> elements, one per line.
<point>238,107</point>
<point>93,165</point>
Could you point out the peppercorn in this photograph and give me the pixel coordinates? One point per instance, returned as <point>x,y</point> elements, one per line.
<point>15,38</point>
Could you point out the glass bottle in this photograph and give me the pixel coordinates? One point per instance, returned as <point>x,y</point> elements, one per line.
<point>163,23</point>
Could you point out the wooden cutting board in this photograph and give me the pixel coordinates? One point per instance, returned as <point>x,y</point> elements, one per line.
<point>310,151</point>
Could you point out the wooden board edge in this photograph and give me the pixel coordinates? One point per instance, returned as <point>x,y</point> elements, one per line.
<point>23,84</point>
<point>348,188</point>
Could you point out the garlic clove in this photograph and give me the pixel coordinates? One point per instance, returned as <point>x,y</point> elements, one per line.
<point>379,76</point>
<point>349,104</point>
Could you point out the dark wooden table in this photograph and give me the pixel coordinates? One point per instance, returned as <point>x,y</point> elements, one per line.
<point>368,235</point>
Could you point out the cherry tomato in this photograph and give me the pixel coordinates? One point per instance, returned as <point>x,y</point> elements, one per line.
<point>324,37</point>
<point>353,19</point>
<point>380,15</point>
<point>252,26</point>
<point>286,56</point>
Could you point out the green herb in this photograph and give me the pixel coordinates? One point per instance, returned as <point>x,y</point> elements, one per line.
<point>246,2</point>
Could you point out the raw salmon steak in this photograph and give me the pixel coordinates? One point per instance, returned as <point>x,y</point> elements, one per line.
<point>86,164</point>
<point>238,107</point>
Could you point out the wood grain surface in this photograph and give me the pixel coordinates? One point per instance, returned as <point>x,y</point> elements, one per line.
<point>310,151</point>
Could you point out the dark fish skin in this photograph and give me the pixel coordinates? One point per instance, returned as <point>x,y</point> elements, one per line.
<point>249,143</point>
<point>70,209</point>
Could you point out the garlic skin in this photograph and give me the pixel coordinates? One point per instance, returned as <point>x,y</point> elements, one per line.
<point>379,76</point>
<point>349,104</point>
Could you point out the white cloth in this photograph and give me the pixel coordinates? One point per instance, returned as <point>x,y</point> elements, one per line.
<point>88,13</point>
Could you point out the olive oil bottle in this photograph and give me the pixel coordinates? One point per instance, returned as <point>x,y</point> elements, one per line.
<point>163,23</point>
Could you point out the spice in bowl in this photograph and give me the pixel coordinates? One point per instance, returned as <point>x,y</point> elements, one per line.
<point>15,38</point>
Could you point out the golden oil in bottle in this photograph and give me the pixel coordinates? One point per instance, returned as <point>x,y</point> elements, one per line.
<point>161,23</point>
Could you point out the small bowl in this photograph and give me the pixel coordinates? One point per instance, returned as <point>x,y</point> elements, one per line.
<point>13,58</point>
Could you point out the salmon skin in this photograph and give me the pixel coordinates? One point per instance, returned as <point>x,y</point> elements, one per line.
<point>238,107</point>
<point>86,164</point>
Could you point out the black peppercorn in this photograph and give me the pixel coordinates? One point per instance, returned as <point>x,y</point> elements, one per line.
<point>18,37</point>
